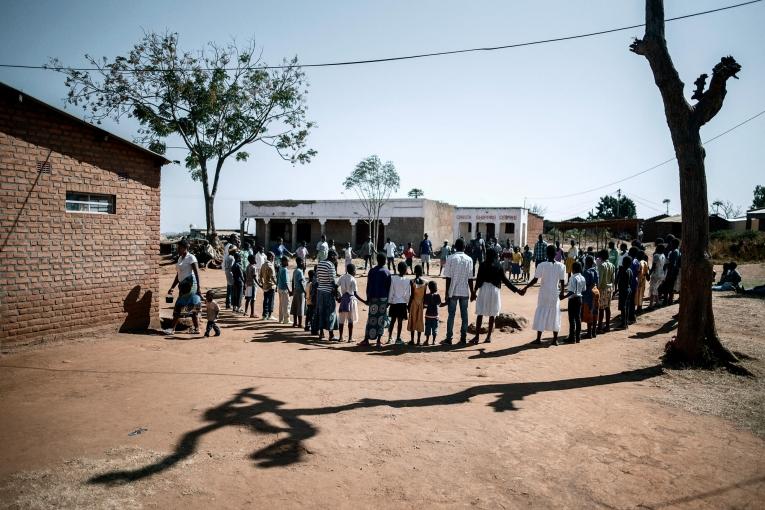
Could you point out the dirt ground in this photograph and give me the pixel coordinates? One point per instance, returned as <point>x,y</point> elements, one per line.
<point>265,417</point>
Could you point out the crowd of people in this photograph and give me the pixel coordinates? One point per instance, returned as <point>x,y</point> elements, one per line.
<point>323,302</point>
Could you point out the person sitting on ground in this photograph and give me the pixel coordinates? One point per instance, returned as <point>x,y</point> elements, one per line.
<point>398,302</point>
<point>213,311</point>
<point>730,280</point>
<point>348,312</point>
<point>487,295</point>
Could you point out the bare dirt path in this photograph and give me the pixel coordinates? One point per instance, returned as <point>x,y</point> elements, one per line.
<point>265,417</point>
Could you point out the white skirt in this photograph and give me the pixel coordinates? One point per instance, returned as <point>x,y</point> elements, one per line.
<point>488,302</point>
<point>547,315</point>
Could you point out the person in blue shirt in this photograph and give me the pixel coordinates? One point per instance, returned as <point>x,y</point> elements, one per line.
<point>378,287</point>
<point>426,250</point>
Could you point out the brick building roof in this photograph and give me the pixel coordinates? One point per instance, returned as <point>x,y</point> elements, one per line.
<point>23,96</point>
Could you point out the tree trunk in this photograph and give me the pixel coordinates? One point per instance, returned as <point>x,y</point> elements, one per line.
<point>210,216</point>
<point>697,342</point>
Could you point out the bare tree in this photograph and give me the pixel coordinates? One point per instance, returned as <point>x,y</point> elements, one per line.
<point>373,182</point>
<point>538,209</point>
<point>726,209</point>
<point>697,341</point>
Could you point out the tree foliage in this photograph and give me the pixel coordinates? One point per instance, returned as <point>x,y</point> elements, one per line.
<point>373,182</point>
<point>609,208</point>
<point>217,101</point>
<point>759,197</point>
<point>415,193</point>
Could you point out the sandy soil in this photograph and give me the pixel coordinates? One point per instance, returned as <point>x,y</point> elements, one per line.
<point>265,417</point>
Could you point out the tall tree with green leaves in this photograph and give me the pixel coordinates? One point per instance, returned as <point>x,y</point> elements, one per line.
<point>217,101</point>
<point>759,197</point>
<point>415,193</point>
<point>610,208</point>
<point>373,182</point>
<point>696,341</point>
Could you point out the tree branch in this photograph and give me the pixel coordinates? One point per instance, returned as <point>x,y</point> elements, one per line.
<point>711,101</point>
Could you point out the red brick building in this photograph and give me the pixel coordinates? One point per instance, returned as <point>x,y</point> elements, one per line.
<point>79,224</point>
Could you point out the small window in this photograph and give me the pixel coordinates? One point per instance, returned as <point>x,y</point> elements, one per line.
<point>90,203</point>
<point>509,228</point>
<point>43,167</point>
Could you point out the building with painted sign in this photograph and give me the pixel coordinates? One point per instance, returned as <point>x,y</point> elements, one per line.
<point>403,220</point>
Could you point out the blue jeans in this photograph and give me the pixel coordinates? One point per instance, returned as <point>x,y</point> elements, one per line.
<point>463,302</point>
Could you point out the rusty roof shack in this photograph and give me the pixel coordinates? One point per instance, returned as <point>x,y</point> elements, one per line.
<point>79,224</point>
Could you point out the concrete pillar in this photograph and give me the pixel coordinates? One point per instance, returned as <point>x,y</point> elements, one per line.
<point>323,223</point>
<point>294,233</point>
<point>266,235</point>
<point>497,233</point>
<point>353,233</point>
<point>473,229</point>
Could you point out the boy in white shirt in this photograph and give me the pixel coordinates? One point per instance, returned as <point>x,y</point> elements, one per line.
<point>398,301</point>
<point>576,285</point>
<point>390,253</point>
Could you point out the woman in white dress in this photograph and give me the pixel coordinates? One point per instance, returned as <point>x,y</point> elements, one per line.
<point>657,275</point>
<point>487,296</point>
<point>547,316</point>
<point>349,297</point>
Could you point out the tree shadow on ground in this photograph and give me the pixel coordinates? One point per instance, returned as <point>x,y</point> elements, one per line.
<point>248,408</point>
<point>664,329</point>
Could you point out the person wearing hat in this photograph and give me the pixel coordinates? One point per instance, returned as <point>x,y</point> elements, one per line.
<point>187,280</point>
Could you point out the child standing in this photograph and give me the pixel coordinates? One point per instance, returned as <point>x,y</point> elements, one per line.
<point>431,302</point>
<point>576,286</point>
<point>297,308</point>
<point>416,305</point>
<point>527,256</point>
<point>590,296</point>
<point>309,301</point>
<point>409,256</point>
<point>250,279</point>
<point>515,264</point>
<point>398,300</point>
<point>213,311</point>
<point>268,284</point>
<point>349,296</point>
<point>283,287</point>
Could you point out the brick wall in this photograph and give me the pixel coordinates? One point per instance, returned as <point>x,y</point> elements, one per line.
<point>62,271</point>
<point>535,227</point>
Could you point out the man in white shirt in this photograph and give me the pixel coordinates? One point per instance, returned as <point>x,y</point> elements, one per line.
<point>459,287</point>
<point>390,253</point>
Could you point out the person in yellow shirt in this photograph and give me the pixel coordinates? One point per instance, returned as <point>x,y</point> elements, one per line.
<point>515,264</point>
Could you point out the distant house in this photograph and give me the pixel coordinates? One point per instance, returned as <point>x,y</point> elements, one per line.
<point>755,220</point>
<point>663,225</point>
<point>79,224</point>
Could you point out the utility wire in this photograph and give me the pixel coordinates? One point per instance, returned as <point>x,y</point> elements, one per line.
<point>420,55</point>
<point>632,176</point>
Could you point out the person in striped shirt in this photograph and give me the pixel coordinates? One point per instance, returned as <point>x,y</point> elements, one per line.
<point>325,297</point>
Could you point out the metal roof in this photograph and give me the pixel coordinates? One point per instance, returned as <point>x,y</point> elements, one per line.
<point>23,95</point>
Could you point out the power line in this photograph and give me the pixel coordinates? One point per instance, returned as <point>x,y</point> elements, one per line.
<point>632,176</point>
<point>422,55</point>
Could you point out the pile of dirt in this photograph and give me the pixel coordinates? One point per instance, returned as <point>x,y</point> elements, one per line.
<point>505,322</point>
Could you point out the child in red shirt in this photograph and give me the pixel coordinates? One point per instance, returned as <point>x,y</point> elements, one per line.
<point>409,256</point>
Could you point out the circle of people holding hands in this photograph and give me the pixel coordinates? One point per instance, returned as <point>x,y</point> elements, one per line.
<point>323,301</point>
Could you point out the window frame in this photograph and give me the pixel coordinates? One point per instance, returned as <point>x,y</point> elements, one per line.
<point>93,202</point>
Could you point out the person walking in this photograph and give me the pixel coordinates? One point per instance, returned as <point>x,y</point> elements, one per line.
<point>443,255</point>
<point>459,284</point>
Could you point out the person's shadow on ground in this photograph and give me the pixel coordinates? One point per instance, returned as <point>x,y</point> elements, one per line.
<point>247,407</point>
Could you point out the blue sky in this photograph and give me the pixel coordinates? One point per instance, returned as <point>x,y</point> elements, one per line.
<point>482,128</point>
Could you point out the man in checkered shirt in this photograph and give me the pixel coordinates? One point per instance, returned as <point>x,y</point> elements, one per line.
<point>540,251</point>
